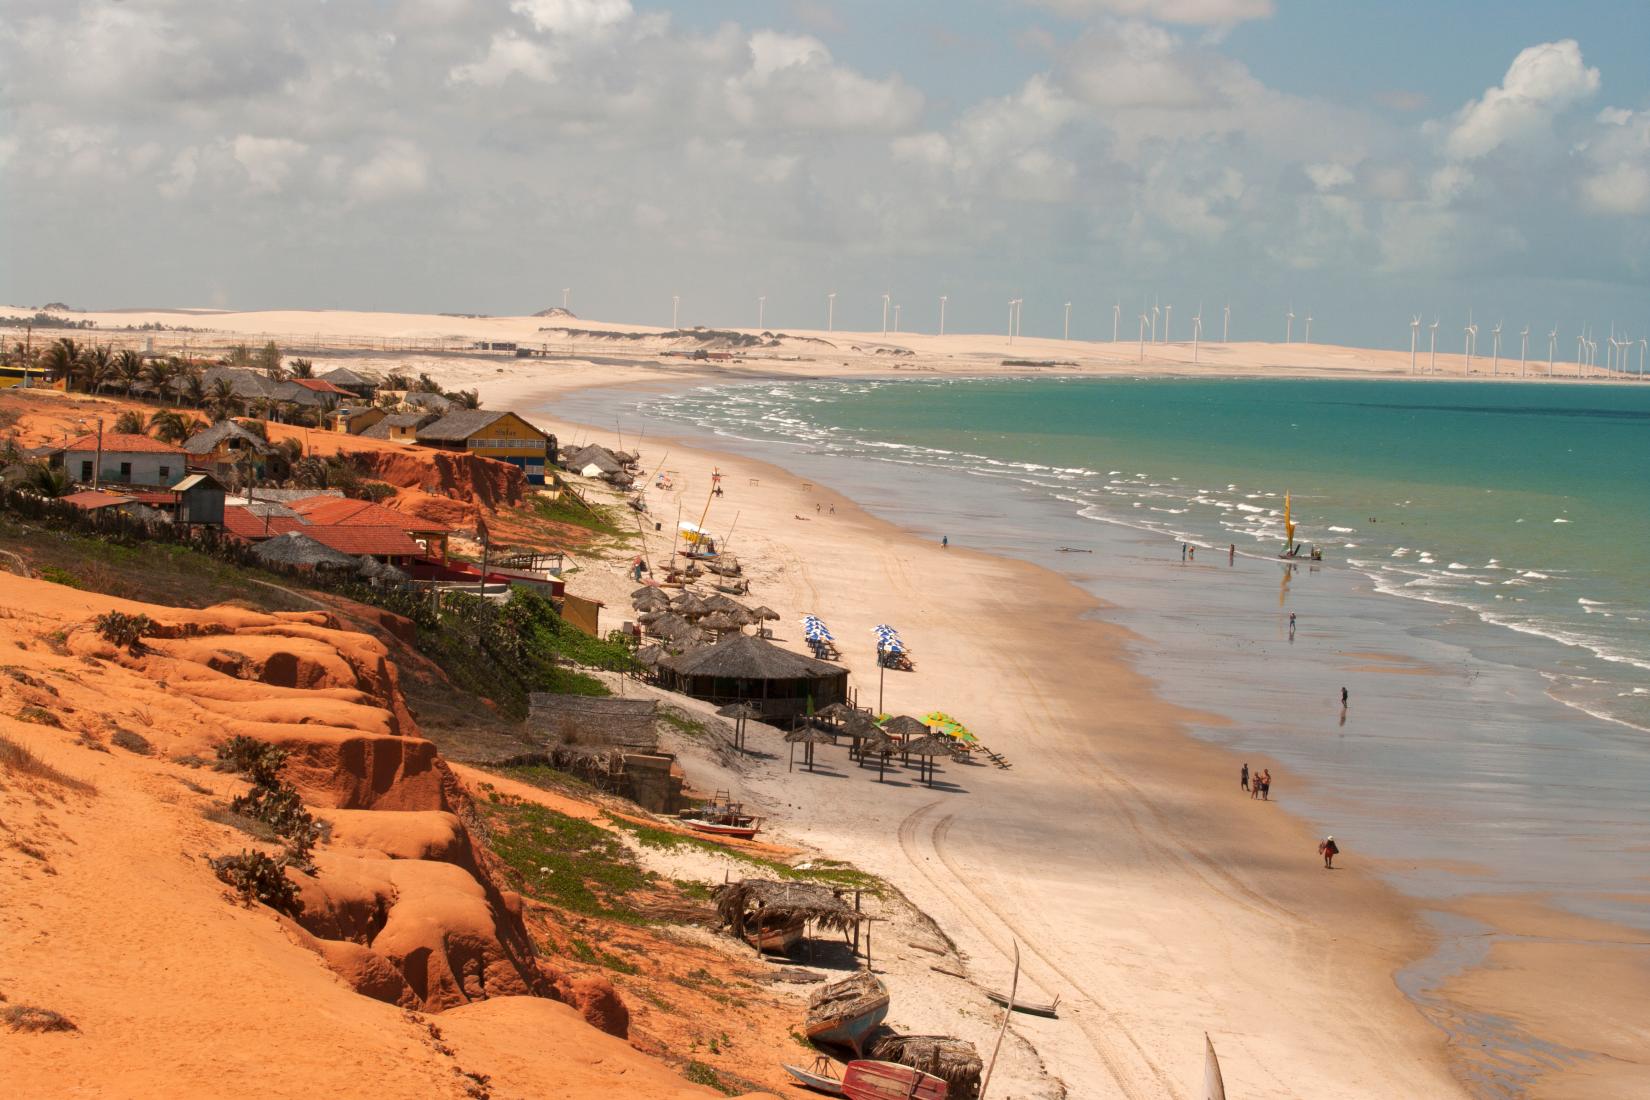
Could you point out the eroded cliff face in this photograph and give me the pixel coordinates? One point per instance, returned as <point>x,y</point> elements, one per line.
<point>108,817</point>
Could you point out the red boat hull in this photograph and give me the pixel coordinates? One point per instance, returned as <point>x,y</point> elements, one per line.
<point>867,1080</point>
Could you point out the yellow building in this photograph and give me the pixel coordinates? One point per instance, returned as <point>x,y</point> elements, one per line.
<point>501,435</point>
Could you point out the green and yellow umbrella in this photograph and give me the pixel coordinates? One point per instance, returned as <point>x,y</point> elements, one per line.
<point>945,724</point>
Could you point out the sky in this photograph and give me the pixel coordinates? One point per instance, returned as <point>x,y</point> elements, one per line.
<point>1358,162</point>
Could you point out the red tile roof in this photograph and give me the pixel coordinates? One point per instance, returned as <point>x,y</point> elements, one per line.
<point>321,386</point>
<point>243,523</point>
<point>89,500</point>
<point>378,541</point>
<point>120,443</point>
<point>343,512</point>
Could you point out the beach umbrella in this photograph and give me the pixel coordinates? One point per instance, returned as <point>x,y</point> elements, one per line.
<point>649,655</point>
<point>650,599</point>
<point>858,728</point>
<point>881,744</point>
<point>808,736</point>
<point>689,606</point>
<point>943,722</point>
<point>720,622</point>
<point>905,727</point>
<point>648,590</point>
<point>740,713</point>
<point>763,615</point>
<point>719,602</point>
<point>925,749</point>
<point>673,626</point>
<point>835,712</point>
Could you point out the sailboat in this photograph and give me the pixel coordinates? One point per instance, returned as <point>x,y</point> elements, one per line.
<point>1291,549</point>
<point>1213,1087</point>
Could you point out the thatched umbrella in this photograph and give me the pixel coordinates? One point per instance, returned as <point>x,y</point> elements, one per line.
<point>647,590</point>
<point>905,727</point>
<point>835,711</point>
<point>649,655</point>
<point>646,617</point>
<point>740,713</point>
<point>752,905</point>
<point>671,625</point>
<point>925,749</point>
<point>881,744</point>
<point>858,728</point>
<point>650,599</point>
<point>809,736</point>
<point>718,602</point>
<point>719,622</point>
<point>297,548</point>
<point>689,606</point>
<point>764,614</point>
<point>953,1060</point>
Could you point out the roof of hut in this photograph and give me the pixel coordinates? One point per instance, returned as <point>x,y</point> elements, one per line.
<point>903,725</point>
<point>297,548</point>
<point>206,440</point>
<point>812,735</point>
<point>746,657</point>
<point>781,903</point>
<point>649,655</point>
<point>953,1060</point>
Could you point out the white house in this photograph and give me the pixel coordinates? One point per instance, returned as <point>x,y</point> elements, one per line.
<point>127,460</point>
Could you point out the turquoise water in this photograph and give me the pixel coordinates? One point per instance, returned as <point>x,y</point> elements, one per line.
<point>1524,503</point>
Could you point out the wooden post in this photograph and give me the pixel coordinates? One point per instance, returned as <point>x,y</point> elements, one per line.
<point>856,923</point>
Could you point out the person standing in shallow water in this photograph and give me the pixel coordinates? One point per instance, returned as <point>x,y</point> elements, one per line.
<point>945,540</point>
<point>1243,780</point>
<point>1343,698</point>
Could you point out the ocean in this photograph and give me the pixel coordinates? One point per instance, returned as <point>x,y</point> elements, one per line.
<point>1528,505</point>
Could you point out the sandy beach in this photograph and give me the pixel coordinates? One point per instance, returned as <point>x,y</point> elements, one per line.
<point>1140,884</point>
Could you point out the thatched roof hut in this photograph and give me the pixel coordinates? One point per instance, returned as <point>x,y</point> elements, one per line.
<point>742,904</point>
<point>689,606</point>
<point>671,625</point>
<point>744,668</point>
<point>953,1060</point>
<point>297,549</point>
<point>649,656</point>
<point>721,622</point>
<point>727,604</point>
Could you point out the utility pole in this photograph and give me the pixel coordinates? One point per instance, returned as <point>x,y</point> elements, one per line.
<point>97,467</point>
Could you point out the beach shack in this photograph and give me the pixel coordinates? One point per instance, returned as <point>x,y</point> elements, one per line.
<point>355,419</point>
<point>226,446</point>
<point>359,385</point>
<point>747,669</point>
<point>499,435</point>
<point>398,427</point>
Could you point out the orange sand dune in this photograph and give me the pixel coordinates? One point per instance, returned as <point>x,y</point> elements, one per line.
<point>114,919</point>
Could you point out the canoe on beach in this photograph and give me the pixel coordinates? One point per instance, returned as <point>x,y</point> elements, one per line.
<point>818,1082</point>
<point>866,1080</point>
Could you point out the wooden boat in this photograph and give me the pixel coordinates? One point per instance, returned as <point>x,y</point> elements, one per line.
<point>1214,1086</point>
<point>781,939</point>
<point>818,1082</point>
<point>1028,1007</point>
<point>867,1080</point>
<point>717,828</point>
<point>845,1013</point>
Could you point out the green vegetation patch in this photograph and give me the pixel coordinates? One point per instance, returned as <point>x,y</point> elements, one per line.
<point>570,863</point>
<point>826,872</point>
<point>598,518</point>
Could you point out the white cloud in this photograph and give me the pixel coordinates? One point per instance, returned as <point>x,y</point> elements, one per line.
<point>398,169</point>
<point>268,161</point>
<point>574,17</point>
<point>792,82</point>
<point>508,54</point>
<point>1542,81</point>
<point>1202,12</point>
<point>1329,177</point>
<point>1622,189</point>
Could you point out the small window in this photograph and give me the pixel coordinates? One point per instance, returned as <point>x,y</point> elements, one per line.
<point>125,471</point>
<point>165,473</point>
<point>86,470</point>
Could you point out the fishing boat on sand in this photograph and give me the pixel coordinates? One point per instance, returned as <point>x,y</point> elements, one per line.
<point>866,1080</point>
<point>845,1013</point>
<point>817,1079</point>
<point>722,817</point>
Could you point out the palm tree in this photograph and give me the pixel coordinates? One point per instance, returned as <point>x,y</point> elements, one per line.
<point>129,422</point>
<point>426,384</point>
<point>158,373</point>
<point>465,399</point>
<point>240,355</point>
<point>97,366</point>
<point>303,368</point>
<point>129,368</point>
<point>46,481</point>
<point>194,386</point>
<point>169,426</point>
<point>62,359</point>
<point>222,401</point>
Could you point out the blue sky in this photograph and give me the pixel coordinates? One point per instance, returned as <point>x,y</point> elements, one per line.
<point>1360,161</point>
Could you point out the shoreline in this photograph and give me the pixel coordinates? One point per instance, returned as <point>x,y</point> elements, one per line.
<point>1168,793</point>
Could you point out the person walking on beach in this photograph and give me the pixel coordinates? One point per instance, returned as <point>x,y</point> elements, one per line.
<point>1328,850</point>
<point>1243,780</point>
<point>1231,554</point>
<point>945,540</point>
<point>1266,785</point>
<point>1182,551</point>
<point>1343,698</point>
<point>1191,552</point>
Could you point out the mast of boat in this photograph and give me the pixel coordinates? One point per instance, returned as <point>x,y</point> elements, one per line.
<point>728,538</point>
<point>1288,526</point>
<point>1213,1087</point>
<point>710,496</point>
<point>1008,1014</point>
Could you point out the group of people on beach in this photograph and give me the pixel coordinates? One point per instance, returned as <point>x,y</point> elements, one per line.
<point>1259,785</point>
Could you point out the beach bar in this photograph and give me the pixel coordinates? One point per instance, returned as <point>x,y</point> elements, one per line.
<point>747,669</point>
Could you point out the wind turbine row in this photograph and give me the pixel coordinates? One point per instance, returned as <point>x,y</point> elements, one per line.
<point>1617,360</point>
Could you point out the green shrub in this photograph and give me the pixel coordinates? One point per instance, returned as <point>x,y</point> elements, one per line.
<point>259,878</point>
<point>121,629</point>
<point>30,1018</point>
<point>132,742</point>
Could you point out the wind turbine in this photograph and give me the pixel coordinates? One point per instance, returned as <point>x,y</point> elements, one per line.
<point>1642,344</point>
<point>1168,318</point>
<point>566,296</point>
<point>1552,347</point>
<point>896,316</point>
<point>1414,335</point>
<point>1068,320</point>
<point>1432,360</point>
<point>1523,349</point>
<point>1154,324</point>
<point>1581,352</point>
<point>1013,314</point>
<point>1495,343</point>
<point>1019,315</point>
<point>675,310</point>
<point>1471,331</point>
<point>1289,325</point>
<point>942,315</point>
<point>885,314</point>
<point>1308,326</point>
<point>1142,336</point>
<point>761,306</point>
<point>1116,316</point>
<point>1197,331</point>
<point>1226,323</point>
<point>830,312</point>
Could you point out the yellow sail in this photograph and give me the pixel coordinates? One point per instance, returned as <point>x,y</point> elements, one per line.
<point>1288,525</point>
